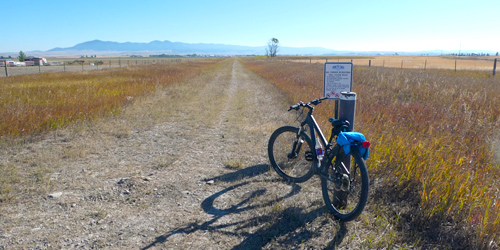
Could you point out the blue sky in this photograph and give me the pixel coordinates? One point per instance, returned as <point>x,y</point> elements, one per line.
<point>375,25</point>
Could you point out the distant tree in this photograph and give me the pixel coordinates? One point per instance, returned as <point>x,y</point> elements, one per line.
<point>272,47</point>
<point>22,56</point>
<point>497,53</point>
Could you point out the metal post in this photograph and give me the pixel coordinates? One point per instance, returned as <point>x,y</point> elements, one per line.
<point>494,66</point>
<point>369,63</point>
<point>336,114</point>
<point>6,72</point>
<point>347,110</point>
<point>455,65</point>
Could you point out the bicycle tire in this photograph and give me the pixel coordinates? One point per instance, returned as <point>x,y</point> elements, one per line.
<point>348,205</point>
<point>294,169</point>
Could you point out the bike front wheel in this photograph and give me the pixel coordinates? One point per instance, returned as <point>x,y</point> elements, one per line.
<point>345,192</point>
<point>291,154</point>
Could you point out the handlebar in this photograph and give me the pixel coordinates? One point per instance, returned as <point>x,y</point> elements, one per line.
<point>308,105</point>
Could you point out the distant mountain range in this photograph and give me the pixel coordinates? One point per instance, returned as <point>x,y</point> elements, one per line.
<point>168,47</point>
<point>108,48</point>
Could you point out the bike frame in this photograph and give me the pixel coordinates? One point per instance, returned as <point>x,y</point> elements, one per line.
<point>330,153</point>
<point>314,128</point>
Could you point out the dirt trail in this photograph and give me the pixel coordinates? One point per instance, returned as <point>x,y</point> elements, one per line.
<point>184,168</point>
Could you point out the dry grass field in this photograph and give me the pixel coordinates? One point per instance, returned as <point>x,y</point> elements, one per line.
<point>474,63</point>
<point>175,157</point>
<point>39,102</point>
<point>434,131</point>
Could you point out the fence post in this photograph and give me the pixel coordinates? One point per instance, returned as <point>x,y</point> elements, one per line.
<point>455,65</point>
<point>369,63</point>
<point>39,68</point>
<point>425,65</point>
<point>402,64</point>
<point>64,66</point>
<point>6,72</point>
<point>494,66</point>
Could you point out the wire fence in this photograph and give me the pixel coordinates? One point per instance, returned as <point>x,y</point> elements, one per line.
<point>488,64</point>
<point>82,65</point>
<point>410,62</point>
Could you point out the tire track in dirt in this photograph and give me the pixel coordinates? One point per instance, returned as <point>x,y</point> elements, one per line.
<point>226,148</point>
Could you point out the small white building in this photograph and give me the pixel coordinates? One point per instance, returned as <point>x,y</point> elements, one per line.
<point>36,61</point>
<point>9,62</point>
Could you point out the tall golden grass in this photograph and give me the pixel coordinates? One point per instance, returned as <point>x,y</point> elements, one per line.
<point>436,128</point>
<point>32,104</point>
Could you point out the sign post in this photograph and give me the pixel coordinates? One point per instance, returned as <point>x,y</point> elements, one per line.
<point>337,85</point>
<point>337,78</point>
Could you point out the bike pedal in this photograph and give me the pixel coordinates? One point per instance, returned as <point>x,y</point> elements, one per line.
<point>309,156</point>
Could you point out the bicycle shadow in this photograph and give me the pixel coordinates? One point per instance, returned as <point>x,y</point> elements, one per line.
<point>242,173</point>
<point>287,224</point>
<point>284,222</point>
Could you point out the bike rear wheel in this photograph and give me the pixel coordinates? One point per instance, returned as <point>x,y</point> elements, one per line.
<point>345,194</point>
<point>291,154</point>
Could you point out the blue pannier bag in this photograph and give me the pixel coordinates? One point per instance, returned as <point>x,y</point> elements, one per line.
<point>345,139</point>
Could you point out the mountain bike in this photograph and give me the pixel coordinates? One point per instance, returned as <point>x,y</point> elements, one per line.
<point>297,153</point>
